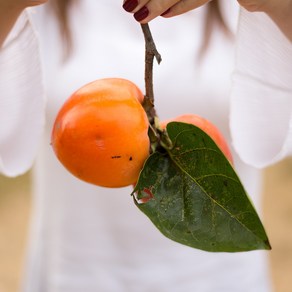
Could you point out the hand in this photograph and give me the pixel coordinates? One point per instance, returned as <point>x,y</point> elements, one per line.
<point>146,10</point>
<point>279,11</point>
<point>260,5</point>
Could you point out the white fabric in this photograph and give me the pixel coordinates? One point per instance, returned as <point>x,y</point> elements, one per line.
<point>261,103</point>
<point>21,99</point>
<point>89,239</point>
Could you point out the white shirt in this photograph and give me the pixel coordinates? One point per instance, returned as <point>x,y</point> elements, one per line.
<point>261,104</point>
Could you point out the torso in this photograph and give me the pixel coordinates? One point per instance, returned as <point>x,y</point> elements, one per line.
<point>95,239</point>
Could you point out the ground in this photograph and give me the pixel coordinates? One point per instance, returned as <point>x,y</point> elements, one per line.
<point>15,207</point>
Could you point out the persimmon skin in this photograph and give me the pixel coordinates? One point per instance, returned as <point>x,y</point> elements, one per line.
<point>100,134</point>
<point>208,127</point>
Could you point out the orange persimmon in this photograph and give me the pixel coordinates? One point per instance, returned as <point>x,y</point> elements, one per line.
<point>100,134</point>
<point>205,125</point>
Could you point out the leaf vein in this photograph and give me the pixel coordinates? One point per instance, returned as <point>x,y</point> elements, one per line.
<point>213,200</point>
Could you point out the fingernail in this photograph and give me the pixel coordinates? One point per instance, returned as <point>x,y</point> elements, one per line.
<point>165,12</point>
<point>141,14</point>
<point>130,5</point>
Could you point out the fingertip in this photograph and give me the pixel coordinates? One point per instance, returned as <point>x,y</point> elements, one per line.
<point>141,14</point>
<point>130,5</point>
<point>165,13</point>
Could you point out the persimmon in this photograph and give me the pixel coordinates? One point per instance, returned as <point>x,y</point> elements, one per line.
<point>100,134</point>
<point>205,125</point>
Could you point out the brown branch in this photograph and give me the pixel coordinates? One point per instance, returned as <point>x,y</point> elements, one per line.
<point>150,53</point>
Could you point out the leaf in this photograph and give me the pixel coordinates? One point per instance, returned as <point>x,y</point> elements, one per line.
<point>193,195</point>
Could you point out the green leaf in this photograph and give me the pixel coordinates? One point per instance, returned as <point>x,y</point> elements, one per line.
<point>193,195</point>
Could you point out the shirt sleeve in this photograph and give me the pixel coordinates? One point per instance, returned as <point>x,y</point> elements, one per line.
<point>22,101</point>
<point>261,95</point>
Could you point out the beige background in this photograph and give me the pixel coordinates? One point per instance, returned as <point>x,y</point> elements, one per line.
<point>15,204</point>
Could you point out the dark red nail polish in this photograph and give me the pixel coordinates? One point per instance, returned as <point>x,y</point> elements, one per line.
<point>130,5</point>
<point>141,14</point>
<point>165,12</point>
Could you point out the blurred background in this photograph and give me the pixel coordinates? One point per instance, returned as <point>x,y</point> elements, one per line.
<point>15,206</point>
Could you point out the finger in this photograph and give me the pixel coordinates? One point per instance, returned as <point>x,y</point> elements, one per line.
<point>153,9</point>
<point>184,6</point>
<point>134,5</point>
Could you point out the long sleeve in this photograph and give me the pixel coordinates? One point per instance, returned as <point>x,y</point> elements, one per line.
<point>261,97</point>
<point>22,101</point>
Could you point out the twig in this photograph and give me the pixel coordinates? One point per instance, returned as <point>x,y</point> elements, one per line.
<point>150,53</point>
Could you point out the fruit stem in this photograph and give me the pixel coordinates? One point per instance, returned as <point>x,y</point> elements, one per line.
<point>150,53</point>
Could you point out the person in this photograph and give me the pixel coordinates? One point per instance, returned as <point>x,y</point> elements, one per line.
<point>85,238</point>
